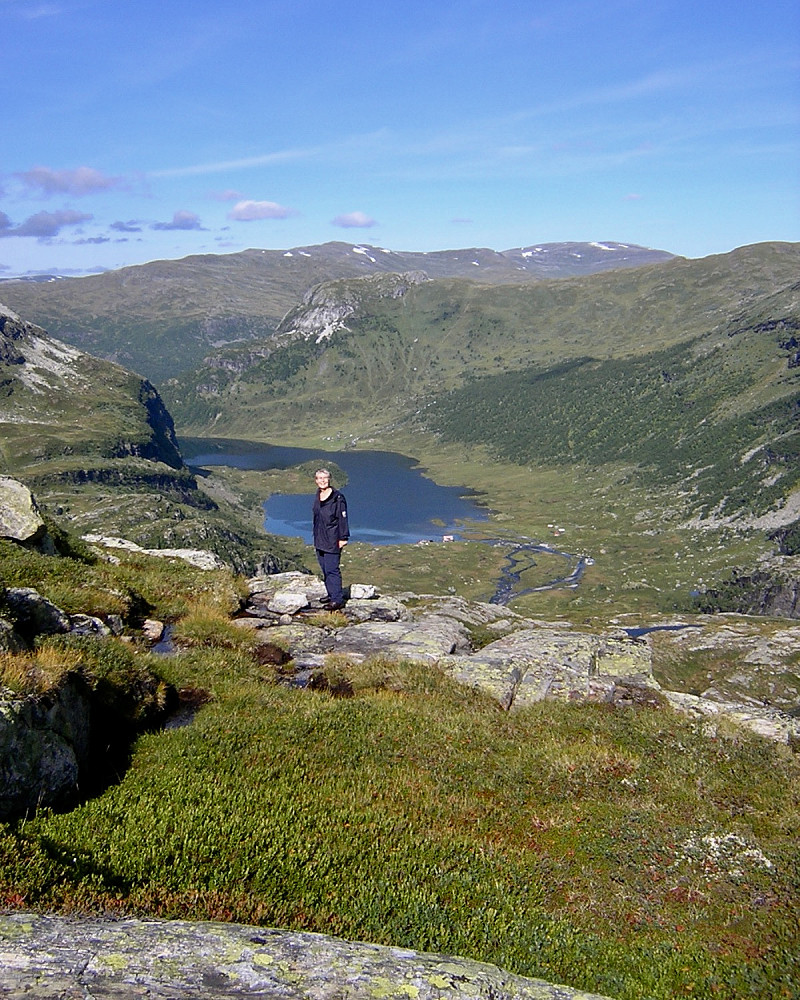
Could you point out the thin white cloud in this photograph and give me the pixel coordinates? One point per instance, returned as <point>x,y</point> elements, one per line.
<point>44,225</point>
<point>34,12</point>
<point>250,211</point>
<point>265,160</point>
<point>81,181</point>
<point>342,149</point>
<point>180,220</point>
<point>354,220</point>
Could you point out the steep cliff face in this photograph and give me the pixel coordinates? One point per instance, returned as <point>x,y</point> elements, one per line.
<point>59,401</point>
<point>97,445</point>
<point>767,593</point>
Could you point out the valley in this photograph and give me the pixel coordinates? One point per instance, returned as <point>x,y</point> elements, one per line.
<point>593,782</point>
<point>651,411</point>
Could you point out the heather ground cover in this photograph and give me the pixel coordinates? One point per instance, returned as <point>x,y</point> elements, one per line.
<point>634,853</point>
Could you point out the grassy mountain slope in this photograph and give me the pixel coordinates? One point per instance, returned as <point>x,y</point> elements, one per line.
<point>62,405</point>
<point>652,411</point>
<point>721,411</point>
<point>404,350</point>
<point>97,447</point>
<point>632,851</point>
<point>163,317</point>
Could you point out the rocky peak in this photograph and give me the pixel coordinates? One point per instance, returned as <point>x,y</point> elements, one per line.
<point>42,359</point>
<point>326,307</point>
<point>12,331</point>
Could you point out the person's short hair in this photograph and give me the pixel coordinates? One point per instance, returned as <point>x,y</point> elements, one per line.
<point>322,472</point>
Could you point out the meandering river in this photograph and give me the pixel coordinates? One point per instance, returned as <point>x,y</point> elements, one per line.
<point>390,502</point>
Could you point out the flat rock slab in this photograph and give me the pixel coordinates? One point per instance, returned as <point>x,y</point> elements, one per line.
<point>530,660</point>
<point>769,723</point>
<point>63,958</point>
<point>426,639</point>
<point>533,664</point>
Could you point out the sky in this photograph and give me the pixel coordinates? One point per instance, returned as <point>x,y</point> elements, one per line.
<point>137,130</point>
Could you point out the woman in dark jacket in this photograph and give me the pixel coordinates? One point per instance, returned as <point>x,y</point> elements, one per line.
<point>331,532</point>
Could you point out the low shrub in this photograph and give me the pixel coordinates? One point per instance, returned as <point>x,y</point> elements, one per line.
<point>622,852</point>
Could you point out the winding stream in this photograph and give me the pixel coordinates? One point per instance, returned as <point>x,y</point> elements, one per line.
<point>521,558</point>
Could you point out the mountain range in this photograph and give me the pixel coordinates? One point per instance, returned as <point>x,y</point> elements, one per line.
<point>675,378</point>
<point>650,367</point>
<point>163,317</point>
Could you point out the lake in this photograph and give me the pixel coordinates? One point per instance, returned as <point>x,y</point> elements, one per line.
<point>389,500</point>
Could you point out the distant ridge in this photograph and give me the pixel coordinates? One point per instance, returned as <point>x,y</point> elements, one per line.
<point>163,317</point>
<point>36,278</point>
<point>545,259</point>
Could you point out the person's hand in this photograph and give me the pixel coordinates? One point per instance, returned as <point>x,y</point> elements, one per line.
<point>342,543</point>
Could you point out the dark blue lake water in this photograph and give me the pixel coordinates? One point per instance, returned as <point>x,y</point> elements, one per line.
<point>389,500</point>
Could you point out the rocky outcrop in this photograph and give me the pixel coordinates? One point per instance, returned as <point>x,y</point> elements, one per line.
<point>761,592</point>
<point>517,661</point>
<point>547,663</point>
<point>58,957</point>
<point>44,747</point>
<point>57,741</point>
<point>33,615</point>
<point>201,558</point>
<point>12,331</point>
<point>327,307</point>
<point>20,519</point>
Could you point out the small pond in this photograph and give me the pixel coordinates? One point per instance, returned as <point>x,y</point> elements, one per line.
<point>389,499</point>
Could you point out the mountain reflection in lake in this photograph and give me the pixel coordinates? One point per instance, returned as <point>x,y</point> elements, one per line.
<point>389,500</point>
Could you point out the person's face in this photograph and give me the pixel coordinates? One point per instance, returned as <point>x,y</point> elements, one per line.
<point>322,481</point>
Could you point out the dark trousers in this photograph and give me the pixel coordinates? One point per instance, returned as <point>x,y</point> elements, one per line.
<point>331,574</point>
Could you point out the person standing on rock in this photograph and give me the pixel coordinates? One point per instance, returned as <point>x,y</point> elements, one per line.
<point>331,532</point>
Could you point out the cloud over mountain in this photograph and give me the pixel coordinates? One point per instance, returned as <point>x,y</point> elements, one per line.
<point>354,220</point>
<point>43,225</point>
<point>81,181</point>
<point>249,211</point>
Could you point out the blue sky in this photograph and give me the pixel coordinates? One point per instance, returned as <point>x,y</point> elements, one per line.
<point>136,130</point>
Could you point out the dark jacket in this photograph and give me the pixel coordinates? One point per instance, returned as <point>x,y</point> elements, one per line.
<point>330,522</point>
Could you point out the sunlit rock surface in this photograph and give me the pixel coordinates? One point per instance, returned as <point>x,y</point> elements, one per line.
<point>49,957</point>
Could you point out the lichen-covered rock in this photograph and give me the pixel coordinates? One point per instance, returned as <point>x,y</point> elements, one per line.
<point>44,744</point>
<point>201,558</point>
<point>33,614</point>
<point>769,723</point>
<point>376,609</point>
<point>304,643</point>
<point>10,641</point>
<point>269,585</point>
<point>20,519</point>
<point>88,625</point>
<point>534,664</point>
<point>426,639</point>
<point>530,661</point>
<point>49,957</point>
<point>287,602</point>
